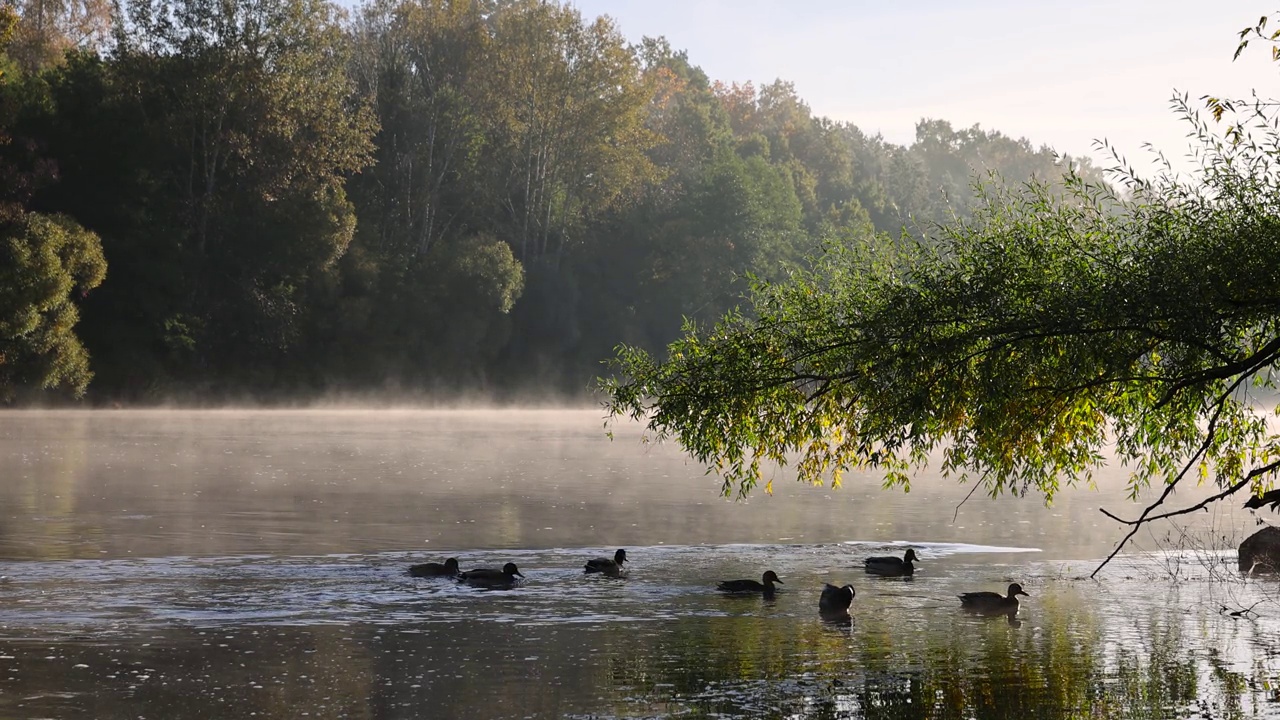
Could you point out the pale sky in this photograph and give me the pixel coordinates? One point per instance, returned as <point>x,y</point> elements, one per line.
<point>1057,73</point>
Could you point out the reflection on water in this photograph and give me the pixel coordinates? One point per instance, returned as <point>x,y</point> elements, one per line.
<point>252,565</point>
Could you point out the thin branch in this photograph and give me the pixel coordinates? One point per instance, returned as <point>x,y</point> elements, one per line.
<point>1243,611</point>
<point>1269,467</point>
<point>1264,356</point>
<point>1169,487</point>
<point>1101,381</point>
<point>965,500</point>
<point>826,387</point>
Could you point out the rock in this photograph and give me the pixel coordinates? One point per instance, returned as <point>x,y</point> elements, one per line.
<point>1260,552</point>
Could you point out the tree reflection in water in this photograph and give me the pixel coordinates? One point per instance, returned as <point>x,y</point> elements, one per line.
<point>1063,667</point>
<point>1061,658</point>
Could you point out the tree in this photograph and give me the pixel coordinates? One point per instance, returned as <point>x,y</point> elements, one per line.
<point>423,65</point>
<point>218,184</point>
<point>568,140</point>
<point>46,29</point>
<point>1016,344</point>
<point>738,217</point>
<point>427,288</point>
<point>686,118</point>
<point>45,262</point>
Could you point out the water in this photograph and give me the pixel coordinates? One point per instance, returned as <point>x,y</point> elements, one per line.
<point>251,564</point>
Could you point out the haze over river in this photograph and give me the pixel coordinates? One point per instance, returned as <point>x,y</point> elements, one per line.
<point>236,564</point>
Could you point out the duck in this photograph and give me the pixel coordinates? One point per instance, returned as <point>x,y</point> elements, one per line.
<point>612,568</point>
<point>740,586</point>
<point>449,568</point>
<point>487,577</point>
<point>835,601</point>
<point>892,566</point>
<point>995,603</point>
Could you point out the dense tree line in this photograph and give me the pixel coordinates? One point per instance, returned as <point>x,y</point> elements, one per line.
<point>274,197</point>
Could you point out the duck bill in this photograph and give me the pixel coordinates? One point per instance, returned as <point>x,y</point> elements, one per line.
<point>518,573</point>
<point>779,582</point>
<point>1025,594</point>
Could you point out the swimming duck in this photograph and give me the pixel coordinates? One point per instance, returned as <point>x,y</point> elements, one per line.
<point>612,568</point>
<point>835,600</point>
<point>995,603</point>
<point>738,586</point>
<point>486,577</point>
<point>891,565</point>
<point>449,568</point>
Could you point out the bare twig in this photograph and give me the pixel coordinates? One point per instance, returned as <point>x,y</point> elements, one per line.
<point>1168,489</point>
<point>965,500</point>
<point>1243,367</point>
<point>1242,612</point>
<point>1146,518</point>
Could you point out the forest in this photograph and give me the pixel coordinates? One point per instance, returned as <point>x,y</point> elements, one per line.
<point>213,201</point>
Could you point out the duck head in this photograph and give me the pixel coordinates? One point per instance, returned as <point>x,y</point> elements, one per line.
<point>451,565</point>
<point>511,569</point>
<point>771,576</point>
<point>1016,589</point>
<point>910,556</point>
<point>620,556</point>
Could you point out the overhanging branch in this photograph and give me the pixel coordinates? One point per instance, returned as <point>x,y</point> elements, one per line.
<point>1168,490</point>
<point>1145,518</point>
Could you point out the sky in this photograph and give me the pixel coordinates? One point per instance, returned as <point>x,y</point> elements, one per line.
<point>1062,74</point>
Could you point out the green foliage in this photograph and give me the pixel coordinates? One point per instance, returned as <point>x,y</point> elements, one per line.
<point>45,261</point>
<point>422,65</point>
<point>1016,344</point>
<point>567,135</point>
<point>738,217</point>
<point>488,266</point>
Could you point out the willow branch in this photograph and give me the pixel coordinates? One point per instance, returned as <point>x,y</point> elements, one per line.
<point>1264,356</point>
<point>1269,467</point>
<point>1169,487</point>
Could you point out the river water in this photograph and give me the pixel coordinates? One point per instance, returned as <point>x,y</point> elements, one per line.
<point>237,564</point>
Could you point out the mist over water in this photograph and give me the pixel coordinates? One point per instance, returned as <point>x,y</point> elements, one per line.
<point>168,482</point>
<point>225,563</point>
